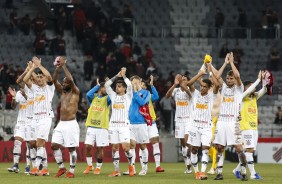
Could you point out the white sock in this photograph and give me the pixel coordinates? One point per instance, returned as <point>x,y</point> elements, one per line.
<point>250,161</point>
<point>220,160</point>
<point>39,156</point>
<point>89,161</point>
<point>129,157</point>
<point>44,159</point>
<point>184,154</point>
<point>157,154</point>
<point>99,163</point>
<point>116,160</point>
<point>205,160</point>
<point>194,161</point>
<point>140,158</point>
<point>238,168</point>
<point>59,158</point>
<point>27,154</point>
<point>33,156</point>
<point>145,155</point>
<point>73,158</point>
<point>17,151</point>
<point>133,156</point>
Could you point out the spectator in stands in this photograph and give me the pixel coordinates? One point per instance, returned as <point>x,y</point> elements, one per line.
<point>148,53</point>
<point>274,59</point>
<point>13,21</point>
<point>25,24</point>
<point>39,24</point>
<point>58,46</point>
<point>39,44</point>
<point>151,69</point>
<point>118,40</point>
<point>9,99</point>
<point>11,74</point>
<point>171,76</point>
<point>4,78</point>
<point>167,112</point>
<point>137,52</point>
<point>219,19</point>
<point>126,50</point>
<point>82,111</point>
<point>61,20</point>
<point>275,18</point>
<point>224,50</point>
<point>79,19</point>
<point>101,72</point>
<point>238,53</point>
<point>88,68</point>
<point>242,23</point>
<point>278,116</point>
<point>1,97</point>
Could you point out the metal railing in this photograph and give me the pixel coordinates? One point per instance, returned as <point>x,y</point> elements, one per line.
<point>205,32</point>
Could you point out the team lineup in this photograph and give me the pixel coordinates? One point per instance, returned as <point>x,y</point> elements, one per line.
<point>121,114</point>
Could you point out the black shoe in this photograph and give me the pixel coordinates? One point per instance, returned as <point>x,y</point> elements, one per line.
<point>244,177</point>
<point>219,177</point>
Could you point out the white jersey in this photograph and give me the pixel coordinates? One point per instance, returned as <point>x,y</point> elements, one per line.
<point>22,106</point>
<point>231,98</point>
<point>120,104</point>
<point>202,115</point>
<point>30,102</point>
<point>43,101</point>
<point>184,105</point>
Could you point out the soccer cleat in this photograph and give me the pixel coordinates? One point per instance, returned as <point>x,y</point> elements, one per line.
<point>237,174</point>
<point>219,177</point>
<point>244,177</point>
<point>203,176</point>
<point>69,175</point>
<point>60,172</point>
<point>88,169</point>
<point>188,171</point>
<point>114,174</point>
<point>211,171</point>
<point>256,177</point>
<point>160,169</point>
<point>197,175</point>
<point>14,168</point>
<point>97,171</point>
<point>131,170</point>
<point>44,172</point>
<point>143,172</point>
<point>27,169</point>
<point>127,172</point>
<point>34,171</point>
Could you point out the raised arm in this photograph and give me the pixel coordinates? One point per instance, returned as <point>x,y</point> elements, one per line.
<point>26,78</point>
<point>13,92</point>
<point>108,84</point>
<point>68,75</point>
<point>226,62</point>
<point>235,71</point>
<point>176,82</point>
<point>155,94</point>
<point>57,84</point>
<point>19,80</point>
<point>213,78</point>
<point>46,73</point>
<point>127,82</point>
<point>91,92</point>
<point>194,79</point>
<point>142,100</point>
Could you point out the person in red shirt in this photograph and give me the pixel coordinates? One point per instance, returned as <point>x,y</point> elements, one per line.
<point>148,53</point>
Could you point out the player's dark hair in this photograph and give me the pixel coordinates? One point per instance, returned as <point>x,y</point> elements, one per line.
<point>245,83</point>
<point>230,73</point>
<point>208,82</point>
<point>187,76</point>
<point>121,82</point>
<point>102,84</point>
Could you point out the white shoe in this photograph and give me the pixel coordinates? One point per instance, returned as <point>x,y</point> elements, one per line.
<point>188,171</point>
<point>211,171</point>
<point>143,172</point>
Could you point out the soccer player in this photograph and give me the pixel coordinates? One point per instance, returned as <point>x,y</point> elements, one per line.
<point>249,123</point>
<point>139,117</point>
<point>227,128</point>
<point>66,132</point>
<point>184,108</point>
<point>19,131</point>
<point>153,130</point>
<point>43,94</point>
<point>97,124</point>
<point>201,127</point>
<point>119,132</point>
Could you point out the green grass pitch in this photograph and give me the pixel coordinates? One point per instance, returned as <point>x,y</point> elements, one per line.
<point>174,173</point>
